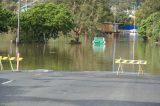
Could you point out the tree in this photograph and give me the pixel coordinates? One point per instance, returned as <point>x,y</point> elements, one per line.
<point>122,9</point>
<point>148,20</point>
<point>45,21</point>
<point>88,14</point>
<point>150,27</point>
<point>5,16</point>
<point>9,4</point>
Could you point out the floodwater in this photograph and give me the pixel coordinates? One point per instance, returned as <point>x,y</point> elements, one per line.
<point>59,55</point>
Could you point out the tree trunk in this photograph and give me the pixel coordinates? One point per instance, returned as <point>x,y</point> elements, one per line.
<point>44,37</point>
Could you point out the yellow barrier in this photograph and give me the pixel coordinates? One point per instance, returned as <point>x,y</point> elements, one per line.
<point>10,59</point>
<point>1,63</point>
<point>124,61</point>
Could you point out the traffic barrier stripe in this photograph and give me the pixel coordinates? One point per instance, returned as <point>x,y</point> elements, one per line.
<point>4,58</point>
<point>130,61</point>
<point>124,61</point>
<point>20,59</point>
<point>11,58</point>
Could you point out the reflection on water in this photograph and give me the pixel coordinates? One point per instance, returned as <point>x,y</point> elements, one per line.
<point>99,48</point>
<point>59,55</point>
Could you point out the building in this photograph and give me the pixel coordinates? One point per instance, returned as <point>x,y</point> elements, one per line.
<point>109,27</point>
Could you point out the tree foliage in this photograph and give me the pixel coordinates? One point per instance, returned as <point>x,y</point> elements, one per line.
<point>122,9</point>
<point>5,17</point>
<point>150,27</point>
<point>45,21</point>
<point>9,4</point>
<point>148,19</point>
<point>87,14</point>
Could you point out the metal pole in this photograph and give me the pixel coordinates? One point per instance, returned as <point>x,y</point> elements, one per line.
<point>134,39</point>
<point>114,54</point>
<point>26,4</point>
<point>134,21</point>
<point>114,18</point>
<point>18,30</point>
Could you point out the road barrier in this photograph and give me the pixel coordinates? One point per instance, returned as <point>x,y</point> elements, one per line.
<point>125,61</point>
<point>10,59</point>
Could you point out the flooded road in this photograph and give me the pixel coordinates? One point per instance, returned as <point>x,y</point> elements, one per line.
<point>59,55</point>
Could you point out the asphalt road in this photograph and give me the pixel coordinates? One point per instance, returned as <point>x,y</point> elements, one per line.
<point>78,89</point>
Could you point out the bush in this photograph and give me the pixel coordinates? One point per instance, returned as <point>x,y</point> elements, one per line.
<point>45,21</point>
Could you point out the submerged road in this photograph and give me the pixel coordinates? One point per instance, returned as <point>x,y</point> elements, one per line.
<point>78,89</point>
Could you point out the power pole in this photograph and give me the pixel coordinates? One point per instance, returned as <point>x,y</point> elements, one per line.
<point>18,29</point>
<point>26,4</point>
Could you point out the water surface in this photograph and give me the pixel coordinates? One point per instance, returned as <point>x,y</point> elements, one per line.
<point>59,55</point>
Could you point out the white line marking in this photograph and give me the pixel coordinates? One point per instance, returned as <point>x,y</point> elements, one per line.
<point>7,82</point>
